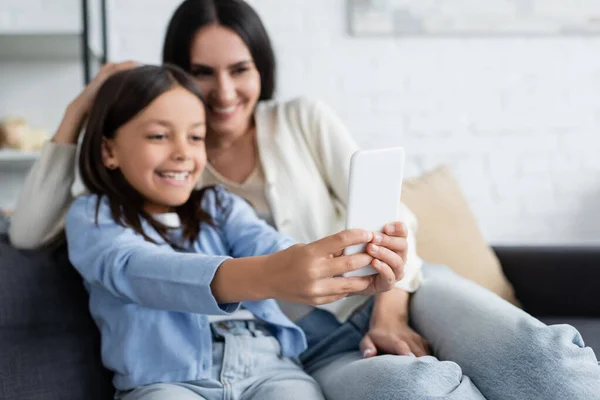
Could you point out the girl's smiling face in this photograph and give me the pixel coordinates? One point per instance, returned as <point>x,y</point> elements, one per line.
<point>160,151</point>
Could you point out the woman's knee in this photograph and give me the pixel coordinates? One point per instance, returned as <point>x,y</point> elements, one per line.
<point>559,348</point>
<point>547,345</point>
<point>550,361</point>
<point>402,377</point>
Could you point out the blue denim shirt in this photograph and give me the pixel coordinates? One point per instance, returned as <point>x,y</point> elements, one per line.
<point>151,302</point>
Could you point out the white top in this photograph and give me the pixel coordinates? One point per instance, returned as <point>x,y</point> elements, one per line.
<point>252,189</point>
<point>304,151</point>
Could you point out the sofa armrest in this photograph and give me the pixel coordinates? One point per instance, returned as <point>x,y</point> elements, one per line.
<point>560,281</point>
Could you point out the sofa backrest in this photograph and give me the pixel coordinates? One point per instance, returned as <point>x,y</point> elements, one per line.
<point>49,344</point>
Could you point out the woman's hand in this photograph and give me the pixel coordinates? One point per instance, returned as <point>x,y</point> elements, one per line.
<point>393,337</point>
<point>79,108</point>
<point>389,331</point>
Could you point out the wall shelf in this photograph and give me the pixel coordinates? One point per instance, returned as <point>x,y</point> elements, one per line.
<point>53,43</point>
<point>13,157</point>
<point>39,46</point>
<point>45,61</point>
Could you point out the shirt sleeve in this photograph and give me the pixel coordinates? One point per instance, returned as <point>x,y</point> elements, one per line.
<point>246,234</point>
<point>45,198</point>
<point>122,262</point>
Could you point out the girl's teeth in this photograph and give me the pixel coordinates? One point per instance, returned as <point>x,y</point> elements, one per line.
<point>178,176</point>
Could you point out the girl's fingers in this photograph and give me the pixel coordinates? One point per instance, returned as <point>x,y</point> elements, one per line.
<point>386,275</point>
<point>342,286</point>
<point>343,264</point>
<point>336,243</point>
<point>398,229</point>
<point>397,244</point>
<point>390,258</point>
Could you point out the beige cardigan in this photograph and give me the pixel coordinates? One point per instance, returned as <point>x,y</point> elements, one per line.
<point>305,151</point>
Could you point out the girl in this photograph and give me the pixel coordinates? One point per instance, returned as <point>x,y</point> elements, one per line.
<point>156,256</point>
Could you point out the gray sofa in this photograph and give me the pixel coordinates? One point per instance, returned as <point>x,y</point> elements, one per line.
<point>49,345</point>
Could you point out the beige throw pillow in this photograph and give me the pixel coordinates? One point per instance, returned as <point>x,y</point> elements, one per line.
<point>448,233</point>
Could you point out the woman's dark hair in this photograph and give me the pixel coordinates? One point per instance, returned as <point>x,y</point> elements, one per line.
<point>236,15</point>
<point>119,99</point>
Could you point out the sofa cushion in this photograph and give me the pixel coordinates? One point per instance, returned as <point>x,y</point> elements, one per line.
<point>49,345</point>
<point>4,222</point>
<point>448,233</point>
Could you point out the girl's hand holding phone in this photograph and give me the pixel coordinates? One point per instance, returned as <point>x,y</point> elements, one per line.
<point>389,251</point>
<point>311,273</point>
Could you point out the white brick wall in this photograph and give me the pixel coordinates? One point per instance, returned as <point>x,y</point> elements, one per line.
<point>33,16</point>
<point>517,119</point>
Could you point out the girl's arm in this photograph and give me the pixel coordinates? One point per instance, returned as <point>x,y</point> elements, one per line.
<point>130,268</point>
<point>269,265</point>
<point>123,263</point>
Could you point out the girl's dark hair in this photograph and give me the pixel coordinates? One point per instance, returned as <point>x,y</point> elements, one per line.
<point>119,99</point>
<point>236,15</point>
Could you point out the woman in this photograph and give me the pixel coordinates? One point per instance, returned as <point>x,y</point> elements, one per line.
<point>270,153</point>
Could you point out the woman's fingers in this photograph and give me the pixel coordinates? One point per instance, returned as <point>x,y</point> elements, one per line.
<point>418,348</point>
<point>110,69</point>
<point>367,347</point>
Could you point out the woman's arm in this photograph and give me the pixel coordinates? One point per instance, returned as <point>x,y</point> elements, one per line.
<point>46,195</point>
<point>44,198</point>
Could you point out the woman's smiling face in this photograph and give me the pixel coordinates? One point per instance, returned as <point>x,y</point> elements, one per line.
<point>226,74</point>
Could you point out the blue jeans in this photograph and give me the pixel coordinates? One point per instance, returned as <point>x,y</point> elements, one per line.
<point>247,364</point>
<point>484,347</point>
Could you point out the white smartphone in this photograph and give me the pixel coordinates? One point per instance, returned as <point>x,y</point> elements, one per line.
<point>374,191</point>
